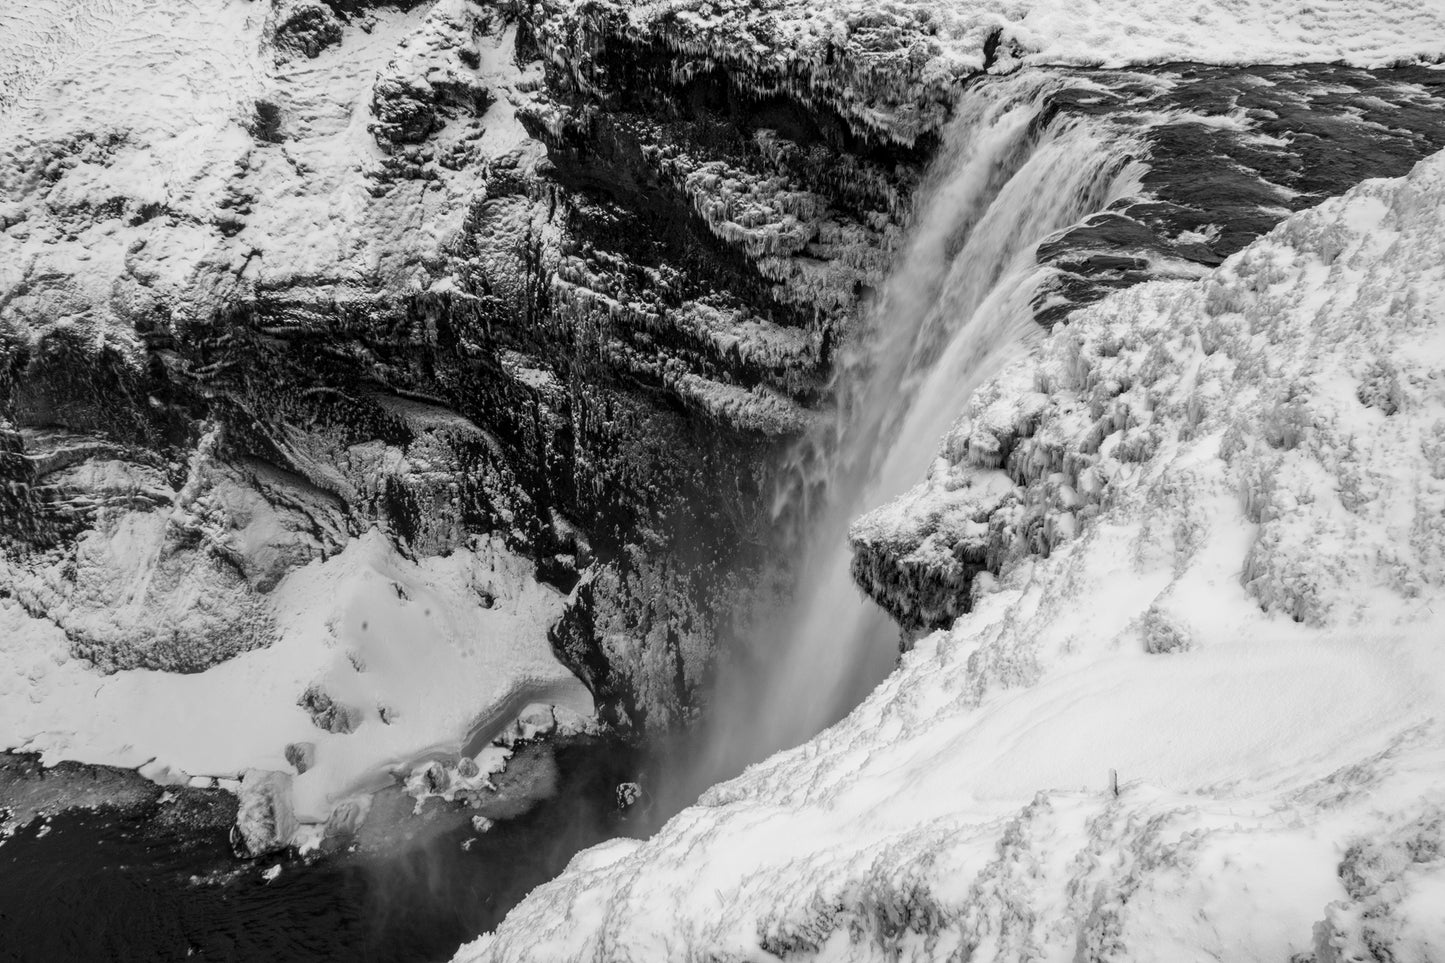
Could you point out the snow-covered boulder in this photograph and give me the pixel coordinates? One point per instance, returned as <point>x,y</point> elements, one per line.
<point>264,818</point>
<point>1215,516</point>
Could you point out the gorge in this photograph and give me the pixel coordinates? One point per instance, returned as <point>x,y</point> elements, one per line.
<point>397,397</point>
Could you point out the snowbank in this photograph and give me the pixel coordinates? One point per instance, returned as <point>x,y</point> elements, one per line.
<point>1218,515</point>
<point>392,658</point>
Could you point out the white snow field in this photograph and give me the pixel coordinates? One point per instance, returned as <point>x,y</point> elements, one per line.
<point>422,651</point>
<point>1222,537</point>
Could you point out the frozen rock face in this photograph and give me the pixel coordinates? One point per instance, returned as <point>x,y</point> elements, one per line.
<point>274,272</point>
<point>1213,512</point>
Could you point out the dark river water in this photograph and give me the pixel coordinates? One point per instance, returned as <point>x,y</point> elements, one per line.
<point>147,885</point>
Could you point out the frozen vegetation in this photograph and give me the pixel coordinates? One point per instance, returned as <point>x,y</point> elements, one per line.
<point>1210,521</point>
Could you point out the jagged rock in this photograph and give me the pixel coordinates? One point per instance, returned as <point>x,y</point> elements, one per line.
<point>628,794</point>
<point>307,27</point>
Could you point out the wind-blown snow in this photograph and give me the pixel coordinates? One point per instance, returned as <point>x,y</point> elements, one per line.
<point>418,654</point>
<point>1217,509</point>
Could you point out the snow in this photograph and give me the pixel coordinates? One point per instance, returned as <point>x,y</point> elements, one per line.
<point>369,626</point>
<point>133,180</point>
<point>1217,513</point>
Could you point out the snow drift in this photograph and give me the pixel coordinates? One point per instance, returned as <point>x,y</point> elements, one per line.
<point>1215,517</point>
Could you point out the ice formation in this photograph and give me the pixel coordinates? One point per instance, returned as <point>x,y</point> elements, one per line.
<point>1211,519</point>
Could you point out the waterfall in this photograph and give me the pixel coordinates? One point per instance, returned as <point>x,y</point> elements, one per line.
<point>958,304</point>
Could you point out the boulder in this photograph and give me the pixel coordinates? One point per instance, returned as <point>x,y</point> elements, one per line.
<point>265,819</point>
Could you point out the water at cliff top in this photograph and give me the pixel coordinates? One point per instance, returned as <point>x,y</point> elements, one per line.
<point>957,306</point>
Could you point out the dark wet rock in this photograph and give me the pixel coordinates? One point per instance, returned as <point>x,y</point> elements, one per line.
<point>628,794</point>
<point>182,809</point>
<point>920,589</point>
<point>29,790</point>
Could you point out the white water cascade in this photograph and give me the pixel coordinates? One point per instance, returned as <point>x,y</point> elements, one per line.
<point>958,305</point>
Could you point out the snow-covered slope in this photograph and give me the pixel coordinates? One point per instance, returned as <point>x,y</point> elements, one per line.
<point>1217,514</point>
<point>379,660</point>
<point>171,156</point>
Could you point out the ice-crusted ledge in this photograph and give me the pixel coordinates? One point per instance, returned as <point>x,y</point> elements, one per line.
<point>893,70</point>
<point>1218,516</point>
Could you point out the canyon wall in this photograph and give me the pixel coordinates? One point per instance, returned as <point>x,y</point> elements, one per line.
<point>572,275</point>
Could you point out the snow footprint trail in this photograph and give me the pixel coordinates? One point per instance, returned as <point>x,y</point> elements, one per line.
<point>959,304</point>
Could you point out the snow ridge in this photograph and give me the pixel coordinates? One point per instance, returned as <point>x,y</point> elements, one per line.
<point>1217,513</point>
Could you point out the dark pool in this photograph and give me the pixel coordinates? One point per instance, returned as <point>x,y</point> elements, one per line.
<point>96,885</point>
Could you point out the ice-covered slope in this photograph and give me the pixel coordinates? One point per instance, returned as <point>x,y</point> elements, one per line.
<point>1217,514</point>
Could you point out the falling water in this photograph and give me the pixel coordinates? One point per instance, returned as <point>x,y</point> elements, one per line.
<point>957,306</point>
